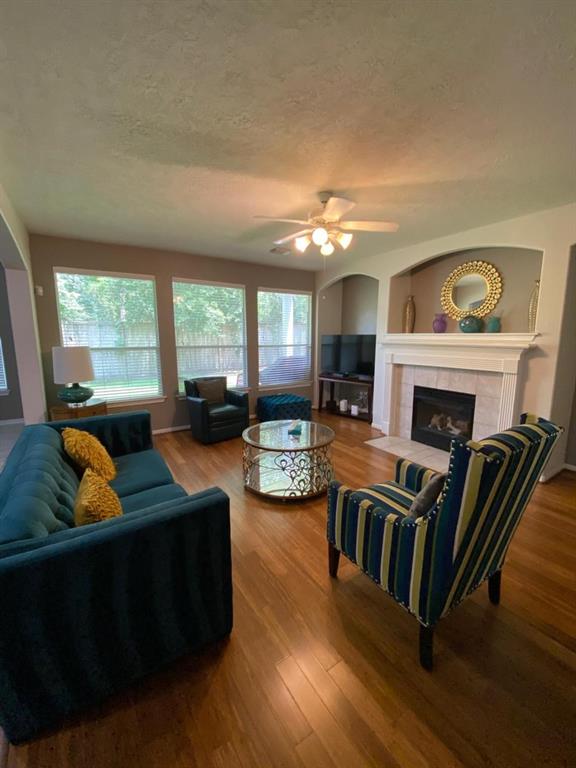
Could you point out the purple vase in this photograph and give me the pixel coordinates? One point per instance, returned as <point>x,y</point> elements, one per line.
<point>440,322</point>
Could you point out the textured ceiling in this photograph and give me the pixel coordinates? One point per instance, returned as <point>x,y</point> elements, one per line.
<point>172,123</point>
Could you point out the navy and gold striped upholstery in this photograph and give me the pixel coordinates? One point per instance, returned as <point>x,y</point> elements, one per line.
<point>431,563</point>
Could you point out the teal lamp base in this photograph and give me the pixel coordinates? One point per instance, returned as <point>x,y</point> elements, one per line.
<point>75,394</point>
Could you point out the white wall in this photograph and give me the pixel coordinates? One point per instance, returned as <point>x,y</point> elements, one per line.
<point>10,401</point>
<point>554,233</point>
<point>571,449</point>
<point>566,390</point>
<point>14,246</point>
<point>15,257</point>
<point>26,345</point>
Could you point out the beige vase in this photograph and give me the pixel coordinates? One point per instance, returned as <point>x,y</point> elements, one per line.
<point>409,315</point>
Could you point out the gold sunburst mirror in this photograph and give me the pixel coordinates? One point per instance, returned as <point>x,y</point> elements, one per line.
<point>473,288</point>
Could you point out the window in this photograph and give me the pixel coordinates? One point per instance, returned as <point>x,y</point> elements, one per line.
<point>284,338</point>
<point>3,382</point>
<point>210,331</point>
<point>115,316</point>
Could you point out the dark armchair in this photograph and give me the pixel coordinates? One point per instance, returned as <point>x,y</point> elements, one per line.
<point>212,422</point>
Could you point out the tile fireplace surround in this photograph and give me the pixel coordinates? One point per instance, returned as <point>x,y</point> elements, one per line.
<point>487,365</point>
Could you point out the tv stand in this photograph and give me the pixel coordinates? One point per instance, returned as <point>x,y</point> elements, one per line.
<point>340,378</point>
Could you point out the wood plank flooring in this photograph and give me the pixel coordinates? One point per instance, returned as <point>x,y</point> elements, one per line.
<point>322,673</point>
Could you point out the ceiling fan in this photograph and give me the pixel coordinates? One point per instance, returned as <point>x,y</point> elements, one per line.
<point>325,227</point>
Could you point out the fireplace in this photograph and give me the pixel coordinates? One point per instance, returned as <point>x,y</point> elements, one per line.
<point>440,416</point>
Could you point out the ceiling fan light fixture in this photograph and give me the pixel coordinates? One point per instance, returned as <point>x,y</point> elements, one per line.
<point>326,228</point>
<point>302,243</point>
<point>344,239</point>
<point>319,236</point>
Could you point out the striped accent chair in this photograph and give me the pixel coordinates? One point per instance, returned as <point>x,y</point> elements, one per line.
<point>431,563</point>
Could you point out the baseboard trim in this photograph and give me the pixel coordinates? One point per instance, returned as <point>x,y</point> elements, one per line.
<point>551,472</point>
<point>570,467</point>
<point>10,422</point>
<point>170,429</point>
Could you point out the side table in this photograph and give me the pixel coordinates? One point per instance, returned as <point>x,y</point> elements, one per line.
<point>93,407</point>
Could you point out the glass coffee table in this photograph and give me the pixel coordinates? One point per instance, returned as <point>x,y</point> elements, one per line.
<point>287,466</point>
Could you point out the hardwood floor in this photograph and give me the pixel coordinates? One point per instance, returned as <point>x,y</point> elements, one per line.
<point>322,673</point>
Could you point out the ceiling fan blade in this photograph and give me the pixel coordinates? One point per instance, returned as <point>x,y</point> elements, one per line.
<point>336,207</point>
<point>288,221</point>
<point>293,236</point>
<point>369,226</point>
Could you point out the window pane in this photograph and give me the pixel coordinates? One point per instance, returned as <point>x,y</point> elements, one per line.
<point>210,332</point>
<point>3,382</point>
<point>116,318</point>
<point>284,338</point>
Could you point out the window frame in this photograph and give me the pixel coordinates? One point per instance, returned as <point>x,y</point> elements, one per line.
<point>296,384</point>
<point>118,402</point>
<point>244,347</point>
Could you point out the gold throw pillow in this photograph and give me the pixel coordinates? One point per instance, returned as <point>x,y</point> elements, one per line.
<point>88,452</point>
<point>95,500</point>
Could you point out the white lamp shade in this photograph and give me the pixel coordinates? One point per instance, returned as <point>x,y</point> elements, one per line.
<point>72,364</point>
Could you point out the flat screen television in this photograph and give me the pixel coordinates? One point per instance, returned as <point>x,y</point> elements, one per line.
<point>348,354</point>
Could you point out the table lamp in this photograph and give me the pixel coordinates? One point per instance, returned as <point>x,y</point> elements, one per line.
<point>73,364</point>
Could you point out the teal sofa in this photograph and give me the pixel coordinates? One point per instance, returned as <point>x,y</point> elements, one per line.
<point>86,611</point>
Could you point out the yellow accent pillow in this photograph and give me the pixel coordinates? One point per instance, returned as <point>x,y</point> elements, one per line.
<point>95,500</point>
<point>88,452</point>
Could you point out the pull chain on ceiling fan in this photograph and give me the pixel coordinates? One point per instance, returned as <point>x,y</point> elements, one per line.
<point>326,229</point>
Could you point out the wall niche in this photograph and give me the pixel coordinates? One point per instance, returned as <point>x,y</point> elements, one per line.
<point>518,267</point>
<point>347,306</point>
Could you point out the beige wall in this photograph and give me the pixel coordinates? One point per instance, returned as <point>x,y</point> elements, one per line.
<point>50,252</point>
<point>10,404</point>
<point>348,306</point>
<point>519,268</point>
<point>549,376</point>
<point>330,309</point>
<point>359,304</point>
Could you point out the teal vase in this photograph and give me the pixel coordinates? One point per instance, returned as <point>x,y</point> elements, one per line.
<point>471,324</point>
<point>493,324</point>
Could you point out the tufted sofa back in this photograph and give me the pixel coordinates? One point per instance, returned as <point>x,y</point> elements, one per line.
<point>37,487</point>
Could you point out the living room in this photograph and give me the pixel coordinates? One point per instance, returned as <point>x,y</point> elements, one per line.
<point>287,345</point>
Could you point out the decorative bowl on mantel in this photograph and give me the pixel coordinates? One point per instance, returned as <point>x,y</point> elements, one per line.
<point>471,324</point>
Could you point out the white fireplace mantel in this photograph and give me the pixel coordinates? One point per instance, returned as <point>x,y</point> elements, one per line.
<point>497,342</point>
<point>498,352</point>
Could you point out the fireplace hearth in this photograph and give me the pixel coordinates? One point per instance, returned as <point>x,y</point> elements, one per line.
<point>440,416</point>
